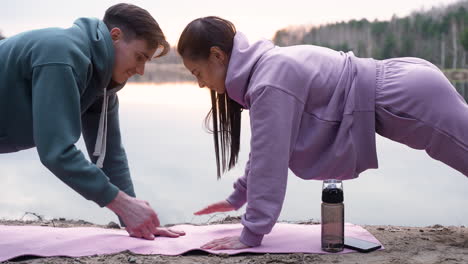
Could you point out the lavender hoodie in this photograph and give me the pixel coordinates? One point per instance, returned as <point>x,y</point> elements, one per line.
<point>311,110</point>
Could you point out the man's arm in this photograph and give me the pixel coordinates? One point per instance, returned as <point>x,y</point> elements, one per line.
<point>115,163</point>
<point>57,127</point>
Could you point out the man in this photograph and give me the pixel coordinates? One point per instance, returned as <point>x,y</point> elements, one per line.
<point>58,83</point>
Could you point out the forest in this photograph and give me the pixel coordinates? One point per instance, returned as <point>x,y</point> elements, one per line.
<point>439,35</point>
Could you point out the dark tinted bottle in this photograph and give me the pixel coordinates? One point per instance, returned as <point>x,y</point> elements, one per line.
<point>332,216</point>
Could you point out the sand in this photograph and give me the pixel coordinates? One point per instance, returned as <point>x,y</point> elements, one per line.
<point>431,244</point>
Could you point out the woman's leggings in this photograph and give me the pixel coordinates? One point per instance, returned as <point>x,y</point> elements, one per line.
<point>416,105</point>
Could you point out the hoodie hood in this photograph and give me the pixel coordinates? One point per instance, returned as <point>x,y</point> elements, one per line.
<point>242,62</point>
<point>102,58</point>
<point>101,50</point>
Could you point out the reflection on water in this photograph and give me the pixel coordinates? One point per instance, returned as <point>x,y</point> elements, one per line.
<point>172,165</point>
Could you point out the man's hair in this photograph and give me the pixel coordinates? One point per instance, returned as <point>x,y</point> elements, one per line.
<point>136,23</point>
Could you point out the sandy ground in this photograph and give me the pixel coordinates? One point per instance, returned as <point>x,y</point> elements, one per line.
<point>431,244</point>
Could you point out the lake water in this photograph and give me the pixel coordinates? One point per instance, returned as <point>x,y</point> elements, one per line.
<point>172,164</point>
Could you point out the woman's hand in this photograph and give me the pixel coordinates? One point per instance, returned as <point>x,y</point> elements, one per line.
<point>222,206</point>
<point>225,243</point>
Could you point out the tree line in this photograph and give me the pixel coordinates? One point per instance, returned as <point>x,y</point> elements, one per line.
<point>439,35</point>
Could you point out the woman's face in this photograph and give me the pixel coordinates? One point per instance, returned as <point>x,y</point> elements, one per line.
<point>210,73</point>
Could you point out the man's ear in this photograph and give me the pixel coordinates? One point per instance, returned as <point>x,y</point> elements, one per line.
<point>218,55</point>
<point>116,34</point>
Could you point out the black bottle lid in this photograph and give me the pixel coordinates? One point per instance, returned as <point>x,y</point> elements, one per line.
<point>332,195</point>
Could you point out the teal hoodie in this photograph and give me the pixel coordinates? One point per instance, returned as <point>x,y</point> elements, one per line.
<point>52,84</point>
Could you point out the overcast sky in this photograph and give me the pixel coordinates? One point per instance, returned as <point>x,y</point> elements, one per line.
<point>256,18</point>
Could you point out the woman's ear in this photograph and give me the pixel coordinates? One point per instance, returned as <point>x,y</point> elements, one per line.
<point>218,55</point>
<point>116,34</point>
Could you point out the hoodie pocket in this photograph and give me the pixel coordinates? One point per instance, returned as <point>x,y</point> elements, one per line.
<point>3,112</point>
<point>5,146</point>
<point>2,125</point>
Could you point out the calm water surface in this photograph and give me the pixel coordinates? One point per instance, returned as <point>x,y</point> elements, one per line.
<point>172,165</point>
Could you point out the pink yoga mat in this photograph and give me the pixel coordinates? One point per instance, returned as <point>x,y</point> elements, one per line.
<point>43,241</point>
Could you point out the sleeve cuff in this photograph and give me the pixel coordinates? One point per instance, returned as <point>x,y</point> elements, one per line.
<point>250,239</point>
<point>107,196</point>
<point>237,199</point>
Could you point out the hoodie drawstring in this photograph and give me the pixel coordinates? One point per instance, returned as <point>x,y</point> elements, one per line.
<point>100,147</point>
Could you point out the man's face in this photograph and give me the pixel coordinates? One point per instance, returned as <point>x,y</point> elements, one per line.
<point>130,56</point>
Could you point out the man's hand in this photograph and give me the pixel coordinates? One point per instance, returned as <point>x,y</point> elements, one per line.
<point>222,206</point>
<point>140,219</point>
<point>225,243</point>
<point>167,232</point>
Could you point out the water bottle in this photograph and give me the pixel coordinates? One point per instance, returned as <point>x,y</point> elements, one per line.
<point>332,216</point>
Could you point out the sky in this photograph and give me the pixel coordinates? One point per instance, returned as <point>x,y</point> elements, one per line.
<point>256,18</point>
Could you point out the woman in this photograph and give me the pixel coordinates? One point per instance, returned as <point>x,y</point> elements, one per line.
<point>313,110</point>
